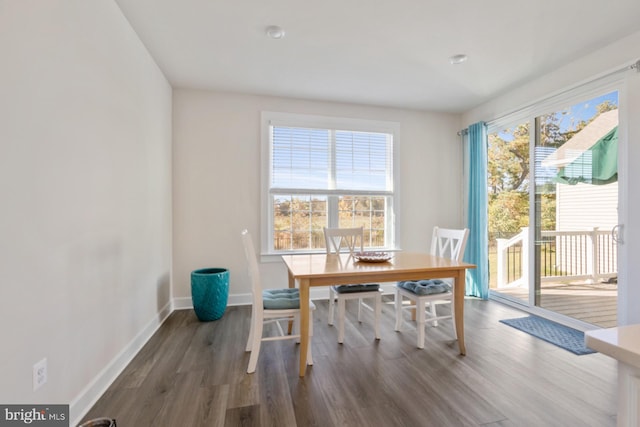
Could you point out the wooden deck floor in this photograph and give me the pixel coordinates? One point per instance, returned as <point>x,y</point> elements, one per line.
<point>591,303</point>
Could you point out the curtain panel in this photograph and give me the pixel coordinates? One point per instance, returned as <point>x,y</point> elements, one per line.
<point>477,280</point>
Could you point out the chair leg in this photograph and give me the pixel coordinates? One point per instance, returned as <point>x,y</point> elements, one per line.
<point>296,326</point>
<point>453,319</point>
<point>255,347</point>
<point>332,304</point>
<point>432,310</point>
<point>360,310</point>
<point>309,356</point>
<point>378,315</point>
<point>251,326</point>
<point>341,316</point>
<point>420,308</point>
<point>398,305</point>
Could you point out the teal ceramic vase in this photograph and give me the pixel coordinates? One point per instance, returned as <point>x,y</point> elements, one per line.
<point>209,292</point>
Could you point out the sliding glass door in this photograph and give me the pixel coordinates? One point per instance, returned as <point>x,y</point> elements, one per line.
<point>508,210</point>
<point>553,197</point>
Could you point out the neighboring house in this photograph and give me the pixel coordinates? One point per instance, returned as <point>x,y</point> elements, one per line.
<point>587,195</point>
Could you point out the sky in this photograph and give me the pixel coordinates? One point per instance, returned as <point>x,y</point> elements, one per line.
<point>568,119</point>
<point>582,111</point>
<point>585,110</point>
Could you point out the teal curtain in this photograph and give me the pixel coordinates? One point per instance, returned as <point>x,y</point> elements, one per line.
<point>478,242</point>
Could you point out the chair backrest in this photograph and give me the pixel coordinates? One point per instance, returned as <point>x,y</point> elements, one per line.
<point>254,272</point>
<point>334,239</point>
<point>449,243</point>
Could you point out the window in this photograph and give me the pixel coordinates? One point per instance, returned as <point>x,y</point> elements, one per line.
<point>326,172</point>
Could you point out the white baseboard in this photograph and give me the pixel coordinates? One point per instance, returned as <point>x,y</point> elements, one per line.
<point>79,407</point>
<point>318,293</point>
<point>182,303</point>
<point>185,303</point>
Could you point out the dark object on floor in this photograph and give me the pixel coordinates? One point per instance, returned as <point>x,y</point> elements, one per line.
<point>99,422</point>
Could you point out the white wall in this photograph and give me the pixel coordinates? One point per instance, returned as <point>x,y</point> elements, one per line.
<point>598,63</point>
<point>216,181</point>
<point>85,186</point>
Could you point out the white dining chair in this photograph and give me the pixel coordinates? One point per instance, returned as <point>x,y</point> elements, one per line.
<point>271,306</point>
<point>351,238</point>
<point>427,294</point>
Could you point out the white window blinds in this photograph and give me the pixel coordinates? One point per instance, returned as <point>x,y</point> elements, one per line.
<point>331,160</point>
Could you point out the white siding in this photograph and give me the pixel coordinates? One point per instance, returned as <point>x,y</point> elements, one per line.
<point>585,206</point>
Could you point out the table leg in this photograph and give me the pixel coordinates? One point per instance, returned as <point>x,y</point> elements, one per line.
<point>304,324</point>
<point>458,302</point>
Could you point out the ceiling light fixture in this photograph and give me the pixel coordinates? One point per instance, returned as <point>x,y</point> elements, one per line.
<point>457,59</point>
<point>275,32</point>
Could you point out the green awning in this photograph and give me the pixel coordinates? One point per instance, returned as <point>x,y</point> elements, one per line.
<point>598,165</point>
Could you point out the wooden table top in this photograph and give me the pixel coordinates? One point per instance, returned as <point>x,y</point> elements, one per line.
<point>310,266</point>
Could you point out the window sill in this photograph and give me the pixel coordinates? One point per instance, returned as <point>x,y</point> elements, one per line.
<point>277,257</point>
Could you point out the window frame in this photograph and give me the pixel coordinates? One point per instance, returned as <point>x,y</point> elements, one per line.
<point>270,118</point>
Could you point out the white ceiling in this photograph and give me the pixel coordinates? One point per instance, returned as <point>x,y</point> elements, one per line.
<point>377,52</point>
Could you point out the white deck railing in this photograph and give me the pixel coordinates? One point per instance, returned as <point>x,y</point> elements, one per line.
<point>564,256</point>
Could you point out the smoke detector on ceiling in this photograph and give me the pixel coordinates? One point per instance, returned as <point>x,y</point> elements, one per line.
<point>458,59</point>
<point>275,32</point>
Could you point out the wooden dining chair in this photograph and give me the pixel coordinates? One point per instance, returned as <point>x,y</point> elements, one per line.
<point>427,294</point>
<point>271,306</point>
<point>351,238</point>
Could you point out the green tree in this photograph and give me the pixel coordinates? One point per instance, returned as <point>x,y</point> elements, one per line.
<point>604,107</point>
<point>508,213</point>
<point>508,165</point>
<point>508,172</point>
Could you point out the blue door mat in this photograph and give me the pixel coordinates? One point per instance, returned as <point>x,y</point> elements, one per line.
<point>562,336</point>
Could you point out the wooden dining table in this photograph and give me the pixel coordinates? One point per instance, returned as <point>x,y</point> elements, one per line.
<point>307,270</point>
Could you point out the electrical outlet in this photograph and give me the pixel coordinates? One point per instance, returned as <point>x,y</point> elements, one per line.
<point>39,374</point>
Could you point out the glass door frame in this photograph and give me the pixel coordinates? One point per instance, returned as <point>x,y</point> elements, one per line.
<point>531,115</point>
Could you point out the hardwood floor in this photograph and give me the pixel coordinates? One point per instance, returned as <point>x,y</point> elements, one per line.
<point>193,374</point>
